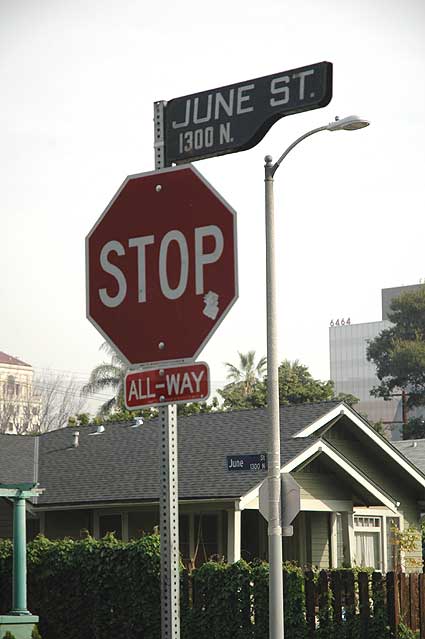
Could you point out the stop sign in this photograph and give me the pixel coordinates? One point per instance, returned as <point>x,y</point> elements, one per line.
<point>161,266</point>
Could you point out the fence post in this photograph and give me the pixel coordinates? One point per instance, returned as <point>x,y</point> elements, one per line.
<point>364,605</point>
<point>310,604</point>
<point>325,616</point>
<point>393,603</point>
<point>414,601</point>
<point>422,605</point>
<point>336,586</point>
<point>404,599</point>
<point>349,595</point>
<point>380,616</point>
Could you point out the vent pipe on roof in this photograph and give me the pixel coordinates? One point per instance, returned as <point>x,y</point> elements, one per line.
<point>138,421</point>
<point>76,441</point>
<point>100,429</point>
<point>414,444</point>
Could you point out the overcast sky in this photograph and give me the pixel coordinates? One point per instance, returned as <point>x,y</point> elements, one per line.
<point>78,80</point>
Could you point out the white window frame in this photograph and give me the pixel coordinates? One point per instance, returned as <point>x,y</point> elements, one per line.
<point>382,513</point>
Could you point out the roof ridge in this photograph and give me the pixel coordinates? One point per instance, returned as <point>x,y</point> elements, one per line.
<point>10,359</point>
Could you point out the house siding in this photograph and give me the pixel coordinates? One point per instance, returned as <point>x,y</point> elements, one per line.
<point>412,560</point>
<point>322,486</point>
<point>319,526</point>
<point>373,466</point>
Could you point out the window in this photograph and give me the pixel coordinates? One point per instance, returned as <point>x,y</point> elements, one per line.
<point>10,388</point>
<point>368,535</point>
<point>184,537</point>
<point>206,537</point>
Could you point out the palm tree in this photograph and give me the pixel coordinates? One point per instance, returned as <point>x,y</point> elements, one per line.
<point>108,375</point>
<point>248,373</point>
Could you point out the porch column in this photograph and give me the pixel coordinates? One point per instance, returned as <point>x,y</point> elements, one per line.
<point>233,535</point>
<point>348,538</point>
<point>333,539</point>
<point>19,598</point>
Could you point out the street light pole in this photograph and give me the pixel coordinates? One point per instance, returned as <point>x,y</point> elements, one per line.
<point>276,618</point>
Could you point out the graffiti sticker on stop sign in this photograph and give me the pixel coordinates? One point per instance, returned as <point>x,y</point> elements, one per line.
<point>161,266</point>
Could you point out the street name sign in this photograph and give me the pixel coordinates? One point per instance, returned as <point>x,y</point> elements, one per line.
<point>237,116</point>
<point>247,462</point>
<point>159,386</point>
<point>161,266</point>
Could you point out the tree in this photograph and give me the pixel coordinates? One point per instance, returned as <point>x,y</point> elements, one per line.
<point>246,388</point>
<point>297,386</point>
<point>19,417</point>
<point>348,398</point>
<point>414,429</point>
<point>108,375</point>
<point>236,398</point>
<point>248,373</point>
<point>196,408</point>
<point>399,351</point>
<point>60,397</point>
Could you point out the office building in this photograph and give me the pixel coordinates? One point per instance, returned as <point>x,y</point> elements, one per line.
<point>352,373</point>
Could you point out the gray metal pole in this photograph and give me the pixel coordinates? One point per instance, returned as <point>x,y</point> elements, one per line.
<point>276,616</point>
<point>169,524</point>
<point>276,628</point>
<point>169,499</point>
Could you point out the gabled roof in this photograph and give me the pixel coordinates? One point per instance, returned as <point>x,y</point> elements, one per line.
<point>18,458</point>
<point>121,465</point>
<point>387,447</point>
<point>414,450</point>
<point>8,359</point>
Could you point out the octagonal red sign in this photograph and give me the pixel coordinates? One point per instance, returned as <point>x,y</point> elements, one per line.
<point>161,266</point>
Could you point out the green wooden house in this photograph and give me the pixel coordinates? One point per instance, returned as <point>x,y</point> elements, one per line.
<point>355,485</point>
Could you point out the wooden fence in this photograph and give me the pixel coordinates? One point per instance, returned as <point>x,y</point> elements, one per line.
<point>332,598</point>
<point>398,597</point>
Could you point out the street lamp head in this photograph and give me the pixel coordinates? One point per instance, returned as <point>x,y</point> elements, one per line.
<point>350,123</point>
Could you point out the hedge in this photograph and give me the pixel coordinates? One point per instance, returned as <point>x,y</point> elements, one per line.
<point>106,589</point>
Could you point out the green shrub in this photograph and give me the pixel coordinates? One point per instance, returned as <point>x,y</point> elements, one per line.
<point>403,632</point>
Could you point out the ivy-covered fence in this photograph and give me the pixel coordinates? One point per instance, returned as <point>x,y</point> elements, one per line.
<point>107,589</point>
<point>232,601</point>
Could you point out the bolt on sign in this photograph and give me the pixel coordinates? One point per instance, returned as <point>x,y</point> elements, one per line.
<point>237,116</point>
<point>158,386</point>
<point>161,266</point>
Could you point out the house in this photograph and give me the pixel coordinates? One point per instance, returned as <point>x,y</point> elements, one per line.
<point>19,403</point>
<point>355,485</point>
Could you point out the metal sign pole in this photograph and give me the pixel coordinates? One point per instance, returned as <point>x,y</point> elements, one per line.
<point>276,618</point>
<point>169,502</point>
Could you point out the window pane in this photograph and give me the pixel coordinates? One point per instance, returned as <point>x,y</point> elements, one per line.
<point>367,549</point>
<point>206,537</point>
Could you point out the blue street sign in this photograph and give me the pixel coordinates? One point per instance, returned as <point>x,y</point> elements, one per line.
<point>247,462</point>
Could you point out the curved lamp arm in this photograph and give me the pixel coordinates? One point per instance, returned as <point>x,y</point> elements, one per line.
<point>350,123</point>
<point>271,169</point>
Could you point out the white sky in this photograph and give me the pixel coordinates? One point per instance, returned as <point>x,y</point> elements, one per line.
<point>78,80</point>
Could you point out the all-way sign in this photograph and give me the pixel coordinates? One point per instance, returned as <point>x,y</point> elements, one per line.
<point>159,386</point>
<point>237,116</point>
